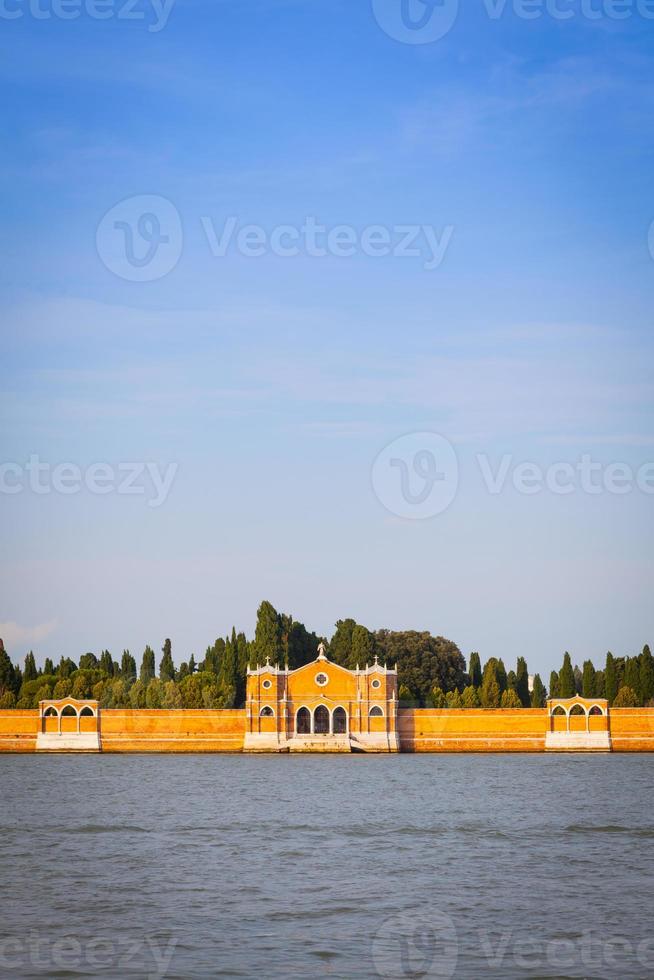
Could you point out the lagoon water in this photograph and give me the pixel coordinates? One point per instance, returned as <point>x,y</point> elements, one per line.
<point>327,866</point>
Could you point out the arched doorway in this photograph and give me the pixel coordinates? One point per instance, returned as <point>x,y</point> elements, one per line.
<point>321,720</point>
<point>339,722</point>
<point>303,722</point>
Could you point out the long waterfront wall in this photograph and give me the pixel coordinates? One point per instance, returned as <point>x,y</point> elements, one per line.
<point>421,730</point>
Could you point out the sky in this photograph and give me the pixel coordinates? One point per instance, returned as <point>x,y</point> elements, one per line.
<point>347,306</point>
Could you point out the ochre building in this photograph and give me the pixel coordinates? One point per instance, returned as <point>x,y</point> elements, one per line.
<point>321,707</point>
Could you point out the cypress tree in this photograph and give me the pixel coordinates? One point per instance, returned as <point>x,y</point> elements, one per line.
<point>502,679</point>
<point>510,699</point>
<point>646,675</point>
<point>588,680</point>
<point>632,677</point>
<point>106,663</point>
<point>229,668</point>
<point>474,670</point>
<point>268,635</point>
<point>147,666</point>
<point>567,685</point>
<point>8,675</point>
<point>192,666</point>
<point>511,681</point>
<point>470,697</point>
<point>363,650</point>
<point>48,667</point>
<point>610,679</point>
<point>128,667</point>
<point>554,685</point>
<point>538,693</point>
<point>166,666</point>
<point>30,673</point>
<point>522,682</point>
<point>490,693</point>
<point>600,691</point>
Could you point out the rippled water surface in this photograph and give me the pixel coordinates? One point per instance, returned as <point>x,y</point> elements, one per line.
<point>327,866</point>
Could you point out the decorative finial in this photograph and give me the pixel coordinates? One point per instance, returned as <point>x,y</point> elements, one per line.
<point>321,651</point>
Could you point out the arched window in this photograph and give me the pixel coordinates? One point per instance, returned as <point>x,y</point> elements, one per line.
<point>339,721</point>
<point>577,709</point>
<point>86,711</point>
<point>321,720</point>
<point>596,710</point>
<point>376,712</point>
<point>559,710</point>
<point>69,710</point>
<point>303,722</point>
<point>266,712</point>
<point>50,712</point>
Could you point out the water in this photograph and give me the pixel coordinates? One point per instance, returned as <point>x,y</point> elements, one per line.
<point>326,866</point>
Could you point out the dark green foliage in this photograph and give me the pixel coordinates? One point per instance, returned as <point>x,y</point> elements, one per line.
<point>166,665</point>
<point>147,671</point>
<point>632,676</point>
<point>538,693</point>
<point>588,686</point>
<point>474,670</point>
<point>423,661</point>
<point>646,675</point>
<point>510,699</point>
<point>511,681</point>
<point>30,673</point>
<point>268,635</point>
<point>88,661</point>
<point>470,697</point>
<point>66,667</point>
<point>522,685</point>
<point>567,684</point>
<point>554,685</point>
<point>610,679</point>
<point>48,666</point>
<point>128,667</point>
<point>340,645</point>
<point>106,663</point>
<point>600,691</point>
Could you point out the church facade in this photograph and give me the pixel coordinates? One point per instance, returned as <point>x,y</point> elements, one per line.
<point>321,707</point>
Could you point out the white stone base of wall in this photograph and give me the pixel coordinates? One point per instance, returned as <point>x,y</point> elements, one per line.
<point>68,742</point>
<point>321,743</point>
<point>577,742</point>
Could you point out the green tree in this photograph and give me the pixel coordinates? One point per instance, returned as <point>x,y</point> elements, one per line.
<point>128,667</point>
<point>522,685</point>
<point>512,681</point>
<point>610,679</point>
<point>30,673</point>
<point>554,684</point>
<point>137,694</point>
<point>600,690</point>
<point>423,661</point>
<point>154,693</point>
<point>588,680</point>
<point>147,671</point>
<point>242,661</point>
<point>9,680</point>
<point>340,645</point>
<point>646,675</point>
<point>490,693</point>
<point>625,698</point>
<point>406,697</point>
<point>106,663</point>
<point>567,685</point>
<point>363,646</point>
<point>48,666</point>
<point>474,670</point>
<point>62,689</point>
<point>229,667</point>
<point>268,635</point>
<point>438,699</point>
<point>470,697</point>
<point>453,699</point>
<point>632,676</point>
<point>7,700</point>
<point>81,688</point>
<point>172,695</point>
<point>192,666</point>
<point>166,665</point>
<point>510,699</point>
<point>538,693</point>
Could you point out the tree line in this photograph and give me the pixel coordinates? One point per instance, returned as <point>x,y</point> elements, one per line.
<point>432,671</point>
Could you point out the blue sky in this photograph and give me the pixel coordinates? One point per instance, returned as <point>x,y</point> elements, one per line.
<point>272,383</point>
